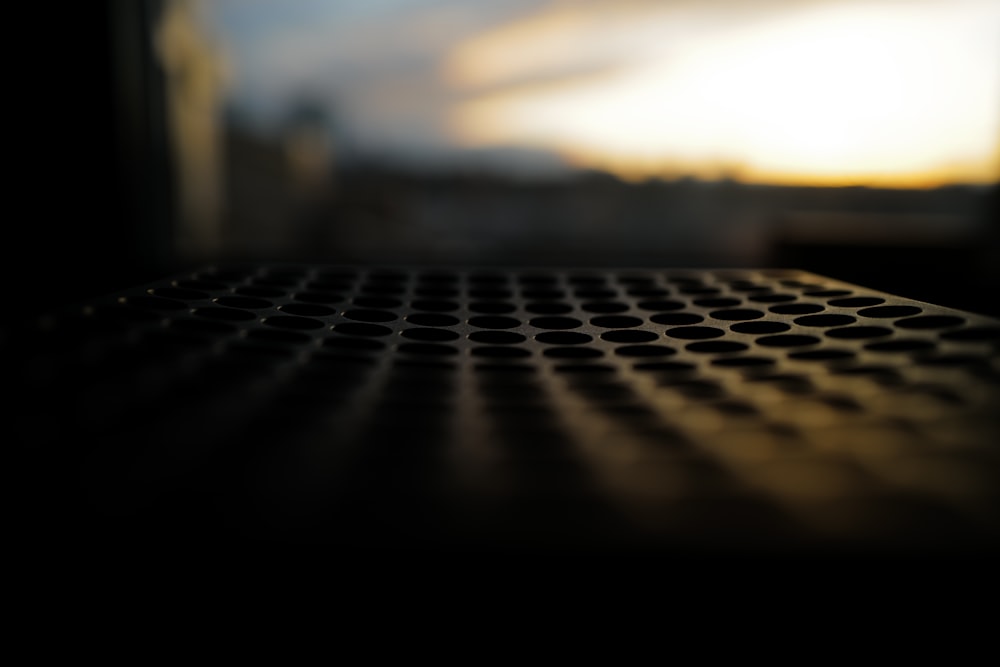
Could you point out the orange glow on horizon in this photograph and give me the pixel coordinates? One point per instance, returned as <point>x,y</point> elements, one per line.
<point>985,171</point>
<point>845,94</point>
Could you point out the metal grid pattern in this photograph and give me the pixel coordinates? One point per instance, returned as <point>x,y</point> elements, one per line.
<point>665,409</point>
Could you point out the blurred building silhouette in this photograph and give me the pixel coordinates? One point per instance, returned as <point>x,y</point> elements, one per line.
<point>195,76</point>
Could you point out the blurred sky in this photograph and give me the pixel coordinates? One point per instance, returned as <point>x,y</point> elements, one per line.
<point>879,92</point>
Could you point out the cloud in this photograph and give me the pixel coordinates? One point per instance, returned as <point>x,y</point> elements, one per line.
<point>342,51</point>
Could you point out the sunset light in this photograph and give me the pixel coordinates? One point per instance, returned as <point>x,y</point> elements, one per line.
<point>884,93</point>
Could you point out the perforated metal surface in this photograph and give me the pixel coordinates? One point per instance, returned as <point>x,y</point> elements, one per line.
<point>675,410</point>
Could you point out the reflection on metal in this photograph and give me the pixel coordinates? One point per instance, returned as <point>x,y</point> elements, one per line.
<point>681,411</point>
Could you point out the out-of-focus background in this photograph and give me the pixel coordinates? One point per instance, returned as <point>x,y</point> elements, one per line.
<point>854,138</point>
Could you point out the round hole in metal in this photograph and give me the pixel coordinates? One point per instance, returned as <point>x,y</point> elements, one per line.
<point>377,302</point>
<point>760,328</point>
<point>490,293</point>
<point>661,305</point>
<point>318,297</point>
<point>493,337</point>
<point>629,336</point>
<point>695,333</point>
<point>492,307</point>
<point>825,320</point>
<point>900,345</point>
<point>225,275</point>
<point>278,336</point>
<point>717,347</point>
<point>199,284</point>
<point>432,320</point>
<point>693,281</point>
<point>500,352</point>
<point>267,292</point>
<point>432,349</point>
<point>420,366</point>
<point>590,293</point>
<point>854,333</point>
<point>856,302</point>
<point>828,292</point>
<point>788,340</point>
<point>494,322</point>
<point>548,308</point>
<point>676,319</point>
<point>563,338</point>
<point>353,343</point>
<point>429,334</point>
<point>434,305</point>
<point>179,293</point>
<point>277,281</point>
<point>737,314</point>
<point>772,298</point>
<point>506,369</point>
<point>243,302</point>
<point>584,279</point>
<point>647,291</point>
<point>585,369</point>
<point>743,362</point>
<point>635,279</point>
<point>293,322</point>
<point>436,277</point>
<point>543,294</point>
<point>604,307</point>
<point>665,367</point>
<point>382,288</point>
<point>228,314</point>
<point>357,329</point>
<point>337,274</point>
<point>306,309</point>
<point>555,322</point>
<point>435,291</point>
<point>205,326</point>
<point>822,355</point>
<point>328,286</point>
<point>370,315</point>
<point>573,353</point>
<point>796,308</point>
<point>615,321</point>
<point>645,351</point>
<point>720,302</point>
<point>537,278</point>
<point>388,276</point>
<point>487,278</point>
<point>890,311</point>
